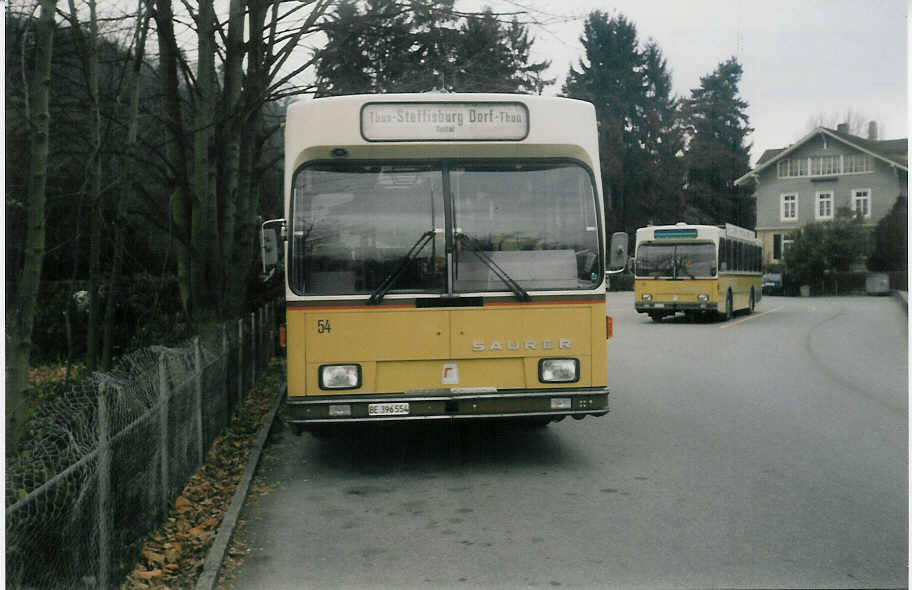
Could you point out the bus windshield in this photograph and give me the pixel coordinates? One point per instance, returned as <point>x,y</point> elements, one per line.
<point>676,261</point>
<point>371,228</point>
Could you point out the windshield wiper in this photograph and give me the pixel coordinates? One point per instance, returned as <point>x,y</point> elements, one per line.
<point>389,280</point>
<point>476,249</point>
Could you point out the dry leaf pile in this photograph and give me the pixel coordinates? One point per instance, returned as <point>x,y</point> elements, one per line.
<point>173,555</point>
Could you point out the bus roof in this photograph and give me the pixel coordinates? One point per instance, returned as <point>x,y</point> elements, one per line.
<point>367,125</point>
<point>683,231</point>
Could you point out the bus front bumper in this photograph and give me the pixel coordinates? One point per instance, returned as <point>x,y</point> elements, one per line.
<point>673,306</point>
<point>446,405</point>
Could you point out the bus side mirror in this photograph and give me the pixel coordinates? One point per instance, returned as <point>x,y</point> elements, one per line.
<point>617,253</point>
<point>270,243</point>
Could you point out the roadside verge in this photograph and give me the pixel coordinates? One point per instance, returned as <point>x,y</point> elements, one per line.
<point>213,564</point>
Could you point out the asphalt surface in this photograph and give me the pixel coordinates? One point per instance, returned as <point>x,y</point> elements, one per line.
<point>768,451</point>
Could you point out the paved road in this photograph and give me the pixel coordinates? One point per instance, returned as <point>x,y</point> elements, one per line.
<point>768,451</point>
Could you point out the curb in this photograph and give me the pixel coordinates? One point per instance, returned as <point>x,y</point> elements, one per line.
<point>213,564</point>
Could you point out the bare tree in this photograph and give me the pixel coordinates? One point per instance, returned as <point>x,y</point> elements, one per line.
<point>89,50</point>
<point>176,152</point>
<point>22,315</point>
<point>128,168</point>
<point>856,122</point>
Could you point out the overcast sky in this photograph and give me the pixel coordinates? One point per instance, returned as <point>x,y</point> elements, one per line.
<point>801,58</point>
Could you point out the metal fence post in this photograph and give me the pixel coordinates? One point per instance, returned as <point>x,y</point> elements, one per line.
<point>240,391</point>
<point>264,326</point>
<point>198,406</point>
<point>271,323</point>
<point>270,338</point>
<point>104,491</point>
<point>163,427</point>
<point>225,389</point>
<point>253,350</point>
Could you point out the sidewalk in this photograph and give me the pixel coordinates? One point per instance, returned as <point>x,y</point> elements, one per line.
<point>903,298</point>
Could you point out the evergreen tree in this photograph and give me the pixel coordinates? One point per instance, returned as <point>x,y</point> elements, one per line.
<point>527,75</point>
<point>418,46</point>
<point>482,61</point>
<point>717,126</point>
<point>891,238</point>
<point>662,138</point>
<point>639,134</point>
<point>343,66</point>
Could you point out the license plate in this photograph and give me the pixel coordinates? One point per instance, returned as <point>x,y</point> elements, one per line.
<point>660,305</point>
<point>397,409</point>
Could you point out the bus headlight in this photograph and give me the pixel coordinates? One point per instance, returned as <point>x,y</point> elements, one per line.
<point>647,297</point>
<point>702,297</point>
<point>340,376</point>
<point>558,370</point>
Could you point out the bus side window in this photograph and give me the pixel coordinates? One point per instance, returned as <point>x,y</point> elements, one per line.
<point>723,254</point>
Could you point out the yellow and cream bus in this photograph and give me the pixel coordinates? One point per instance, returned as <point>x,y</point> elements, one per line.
<point>696,269</point>
<point>445,259</point>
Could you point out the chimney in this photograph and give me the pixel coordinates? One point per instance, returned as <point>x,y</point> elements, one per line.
<point>872,130</point>
<point>843,128</point>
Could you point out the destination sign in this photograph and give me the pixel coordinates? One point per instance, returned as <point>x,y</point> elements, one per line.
<point>675,234</point>
<point>445,121</point>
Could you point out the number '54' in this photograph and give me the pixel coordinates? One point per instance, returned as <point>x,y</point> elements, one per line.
<point>323,327</point>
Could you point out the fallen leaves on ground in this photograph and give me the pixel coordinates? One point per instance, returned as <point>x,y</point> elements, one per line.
<point>173,555</point>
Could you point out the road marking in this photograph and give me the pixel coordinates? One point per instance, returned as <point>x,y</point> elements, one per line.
<point>750,317</point>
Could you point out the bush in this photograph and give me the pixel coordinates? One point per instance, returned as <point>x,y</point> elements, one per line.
<point>821,249</point>
<point>621,282</point>
<point>891,238</point>
<point>148,311</point>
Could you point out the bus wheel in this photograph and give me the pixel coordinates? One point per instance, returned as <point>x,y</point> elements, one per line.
<point>728,307</point>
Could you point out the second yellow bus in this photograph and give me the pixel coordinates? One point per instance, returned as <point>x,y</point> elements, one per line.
<point>697,270</point>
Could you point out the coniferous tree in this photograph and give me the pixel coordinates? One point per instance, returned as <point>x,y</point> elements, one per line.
<point>639,135</point>
<point>717,154</point>
<point>411,46</point>
<point>662,138</point>
<point>483,61</point>
<point>891,238</point>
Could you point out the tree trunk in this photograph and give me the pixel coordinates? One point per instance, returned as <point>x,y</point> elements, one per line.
<point>95,197</point>
<point>127,194</point>
<point>232,120</point>
<point>245,210</point>
<point>22,317</point>
<point>181,213</point>
<point>203,229</point>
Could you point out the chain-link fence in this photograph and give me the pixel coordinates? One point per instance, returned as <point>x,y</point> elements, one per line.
<point>110,456</point>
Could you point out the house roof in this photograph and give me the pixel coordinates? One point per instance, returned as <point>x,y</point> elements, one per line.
<point>891,151</point>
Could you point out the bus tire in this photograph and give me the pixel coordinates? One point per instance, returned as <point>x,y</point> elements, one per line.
<point>656,317</point>
<point>729,307</point>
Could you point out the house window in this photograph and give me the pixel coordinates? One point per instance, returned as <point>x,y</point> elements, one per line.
<point>792,167</point>
<point>825,165</point>
<point>786,244</point>
<point>823,208</point>
<point>857,164</point>
<point>777,246</point>
<point>789,207</point>
<point>861,202</point>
